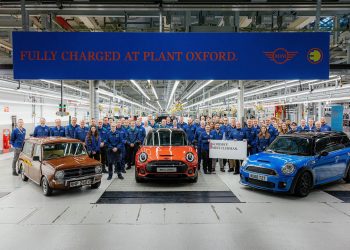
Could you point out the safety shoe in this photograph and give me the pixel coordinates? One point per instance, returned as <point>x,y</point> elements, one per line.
<point>222,170</point>
<point>230,170</point>
<point>120,177</point>
<point>123,171</point>
<point>109,178</point>
<point>14,173</point>
<point>128,167</point>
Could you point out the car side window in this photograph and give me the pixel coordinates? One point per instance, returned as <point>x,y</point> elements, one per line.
<point>346,141</point>
<point>28,149</point>
<point>37,151</point>
<point>334,147</point>
<point>322,144</point>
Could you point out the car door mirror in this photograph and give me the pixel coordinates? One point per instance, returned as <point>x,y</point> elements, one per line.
<point>36,158</point>
<point>324,153</point>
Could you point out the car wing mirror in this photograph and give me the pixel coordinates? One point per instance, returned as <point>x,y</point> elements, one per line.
<point>36,158</point>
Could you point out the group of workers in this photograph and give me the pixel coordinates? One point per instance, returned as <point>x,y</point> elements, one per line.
<point>115,142</point>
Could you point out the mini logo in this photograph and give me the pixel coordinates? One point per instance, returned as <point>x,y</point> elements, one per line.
<point>314,55</point>
<point>280,55</point>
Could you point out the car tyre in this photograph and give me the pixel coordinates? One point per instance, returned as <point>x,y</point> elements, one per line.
<point>304,184</point>
<point>96,185</point>
<point>23,176</point>
<point>47,190</point>
<point>347,176</point>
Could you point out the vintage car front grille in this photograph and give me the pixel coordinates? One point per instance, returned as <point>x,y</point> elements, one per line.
<point>261,170</point>
<point>259,183</point>
<point>180,166</point>
<point>79,172</point>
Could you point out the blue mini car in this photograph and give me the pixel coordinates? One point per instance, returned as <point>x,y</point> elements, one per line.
<point>295,163</point>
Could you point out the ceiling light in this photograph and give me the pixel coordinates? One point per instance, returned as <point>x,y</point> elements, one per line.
<point>172,93</point>
<point>201,87</point>
<point>140,89</point>
<point>159,105</point>
<point>66,86</point>
<point>151,105</point>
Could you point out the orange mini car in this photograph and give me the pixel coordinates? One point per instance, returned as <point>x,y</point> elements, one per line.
<point>165,154</point>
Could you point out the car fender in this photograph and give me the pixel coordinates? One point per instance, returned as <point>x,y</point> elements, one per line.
<point>298,174</point>
<point>347,168</point>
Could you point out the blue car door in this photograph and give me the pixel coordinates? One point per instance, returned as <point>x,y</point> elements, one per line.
<point>323,164</point>
<point>341,153</point>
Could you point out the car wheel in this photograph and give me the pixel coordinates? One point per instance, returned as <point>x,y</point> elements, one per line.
<point>96,185</point>
<point>23,176</point>
<point>304,185</point>
<point>47,190</point>
<point>347,176</point>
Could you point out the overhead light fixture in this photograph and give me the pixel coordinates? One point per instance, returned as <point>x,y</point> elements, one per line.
<point>66,86</point>
<point>140,89</point>
<point>153,89</point>
<point>172,93</point>
<point>151,105</point>
<point>159,105</point>
<point>201,87</point>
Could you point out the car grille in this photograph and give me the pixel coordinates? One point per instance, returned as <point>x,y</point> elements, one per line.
<point>180,166</point>
<point>79,172</point>
<point>261,170</point>
<point>266,184</point>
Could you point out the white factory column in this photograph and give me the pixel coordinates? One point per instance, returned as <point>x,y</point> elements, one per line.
<point>93,109</point>
<point>240,102</point>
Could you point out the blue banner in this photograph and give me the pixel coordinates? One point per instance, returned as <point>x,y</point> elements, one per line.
<point>170,56</point>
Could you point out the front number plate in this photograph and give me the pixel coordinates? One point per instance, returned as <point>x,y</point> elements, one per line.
<point>258,177</point>
<point>80,183</point>
<point>166,170</point>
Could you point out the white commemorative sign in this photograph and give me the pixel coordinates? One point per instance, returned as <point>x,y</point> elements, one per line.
<point>228,149</point>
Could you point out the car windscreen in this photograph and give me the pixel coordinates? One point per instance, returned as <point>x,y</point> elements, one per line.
<point>58,150</point>
<point>291,146</point>
<point>166,138</point>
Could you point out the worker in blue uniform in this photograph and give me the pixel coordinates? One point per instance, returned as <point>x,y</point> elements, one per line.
<point>271,129</point>
<point>132,143</point>
<point>81,131</point>
<point>203,141</point>
<point>199,131</point>
<point>251,135</point>
<point>58,130</point>
<point>263,139</point>
<point>70,129</point>
<point>93,142</point>
<point>103,133</point>
<point>303,127</point>
<point>141,130</point>
<point>181,124</point>
<point>324,126</point>
<point>122,133</point>
<point>106,123</point>
<point>216,134</point>
<point>153,124</point>
<point>163,124</point>
<point>237,134</point>
<point>115,145</point>
<point>42,130</point>
<point>256,125</point>
<point>17,139</point>
<point>311,125</point>
<point>190,130</point>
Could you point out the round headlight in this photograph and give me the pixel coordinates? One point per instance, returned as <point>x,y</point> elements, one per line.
<point>190,157</point>
<point>288,169</point>
<point>59,174</point>
<point>143,157</point>
<point>98,169</point>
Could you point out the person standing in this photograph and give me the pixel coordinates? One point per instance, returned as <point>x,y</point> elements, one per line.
<point>256,125</point>
<point>70,129</point>
<point>216,134</point>
<point>42,130</point>
<point>106,123</point>
<point>17,139</point>
<point>324,126</point>
<point>293,129</point>
<point>264,139</point>
<point>284,129</point>
<point>93,123</point>
<point>303,127</point>
<point>311,124</point>
<point>115,144</point>
<point>199,131</point>
<point>237,134</point>
<point>163,124</point>
<point>181,123</point>
<point>318,127</point>
<point>271,129</point>
<point>122,135</point>
<point>147,127</point>
<point>81,132</point>
<point>190,130</point>
<point>153,124</point>
<point>175,124</point>
<point>251,135</point>
<point>204,139</point>
<point>58,130</point>
<point>132,143</point>
<point>168,122</point>
<point>103,132</point>
<point>93,142</point>
<point>141,130</point>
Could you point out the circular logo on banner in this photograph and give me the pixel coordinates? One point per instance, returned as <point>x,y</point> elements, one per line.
<point>280,55</point>
<point>314,55</point>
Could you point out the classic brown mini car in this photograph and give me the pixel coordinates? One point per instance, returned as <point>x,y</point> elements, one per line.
<point>58,163</point>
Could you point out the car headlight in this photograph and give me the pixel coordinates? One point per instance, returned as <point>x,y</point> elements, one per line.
<point>143,157</point>
<point>59,174</point>
<point>98,169</point>
<point>190,157</point>
<point>288,169</point>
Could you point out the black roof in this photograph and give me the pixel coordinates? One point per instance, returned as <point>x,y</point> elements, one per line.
<point>167,129</point>
<point>315,134</point>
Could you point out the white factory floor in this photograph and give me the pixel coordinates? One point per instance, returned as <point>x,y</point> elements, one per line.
<point>73,220</point>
